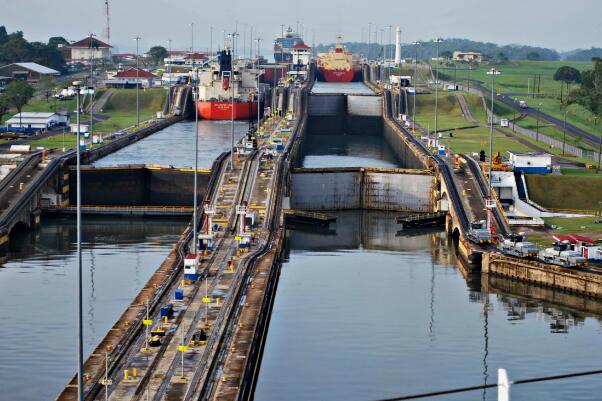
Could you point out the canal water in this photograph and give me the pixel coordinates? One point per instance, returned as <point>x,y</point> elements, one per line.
<point>38,294</point>
<point>174,145</point>
<point>365,313</point>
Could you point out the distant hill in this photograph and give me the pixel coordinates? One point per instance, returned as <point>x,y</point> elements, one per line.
<point>427,50</point>
<point>583,54</point>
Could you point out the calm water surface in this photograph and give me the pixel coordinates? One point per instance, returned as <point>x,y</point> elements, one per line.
<point>361,314</point>
<point>339,150</point>
<point>174,145</point>
<point>38,295</point>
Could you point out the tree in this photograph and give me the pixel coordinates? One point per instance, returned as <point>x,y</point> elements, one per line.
<point>55,41</point>
<point>446,54</point>
<point>4,106</point>
<point>158,53</point>
<point>567,75</point>
<point>18,94</point>
<point>533,56</point>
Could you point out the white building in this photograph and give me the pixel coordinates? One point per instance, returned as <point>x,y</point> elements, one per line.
<point>90,48</point>
<point>531,162</point>
<point>467,56</point>
<point>36,121</point>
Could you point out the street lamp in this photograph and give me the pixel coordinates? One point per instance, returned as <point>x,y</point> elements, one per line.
<point>566,110</point>
<point>416,44</point>
<point>537,124</point>
<point>169,75</point>
<point>493,72</point>
<point>195,94</point>
<point>437,42</point>
<point>233,35</point>
<point>137,39</point>
<point>79,89</point>
<point>91,125</point>
<point>258,40</point>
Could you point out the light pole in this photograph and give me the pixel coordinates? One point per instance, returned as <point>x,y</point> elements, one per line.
<point>91,125</point>
<point>258,40</point>
<point>437,42</point>
<point>233,35</point>
<point>566,110</point>
<point>493,72</point>
<point>195,91</point>
<point>537,123</point>
<point>169,75</point>
<point>137,39</point>
<point>599,152</point>
<point>80,328</point>
<point>416,44</point>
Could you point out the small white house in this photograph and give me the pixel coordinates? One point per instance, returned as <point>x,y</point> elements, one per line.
<point>531,162</point>
<point>36,121</point>
<point>88,49</point>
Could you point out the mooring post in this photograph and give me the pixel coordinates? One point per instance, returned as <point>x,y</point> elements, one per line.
<point>503,385</point>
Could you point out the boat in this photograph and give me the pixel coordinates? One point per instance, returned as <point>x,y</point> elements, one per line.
<point>224,86</point>
<point>283,46</point>
<point>338,65</point>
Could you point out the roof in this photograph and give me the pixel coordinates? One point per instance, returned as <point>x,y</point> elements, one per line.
<point>40,69</point>
<point>132,73</point>
<point>196,56</point>
<point>301,46</point>
<point>532,154</point>
<point>123,55</point>
<point>89,42</point>
<point>572,238</point>
<point>30,114</point>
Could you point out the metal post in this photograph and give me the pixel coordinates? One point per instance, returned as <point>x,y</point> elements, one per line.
<point>416,44</point>
<point>137,39</point>
<point>91,127</point>
<point>537,125</point>
<point>234,35</point>
<point>169,75</point>
<point>493,72</point>
<point>437,41</point>
<point>258,94</point>
<point>503,385</point>
<point>106,376</point>
<point>599,152</point>
<point>80,327</point>
<point>196,165</point>
<point>564,131</point>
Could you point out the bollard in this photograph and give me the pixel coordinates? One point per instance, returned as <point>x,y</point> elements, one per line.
<point>126,375</point>
<point>134,373</point>
<point>503,385</point>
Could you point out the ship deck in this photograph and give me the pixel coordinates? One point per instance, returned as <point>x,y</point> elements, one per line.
<point>347,88</point>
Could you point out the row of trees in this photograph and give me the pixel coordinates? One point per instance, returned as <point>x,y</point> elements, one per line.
<point>15,48</point>
<point>589,94</point>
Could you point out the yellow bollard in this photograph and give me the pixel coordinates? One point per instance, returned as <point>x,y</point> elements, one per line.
<point>135,373</point>
<point>126,375</point>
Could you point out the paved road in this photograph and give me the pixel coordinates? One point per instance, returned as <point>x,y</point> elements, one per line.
<point>508,100</point>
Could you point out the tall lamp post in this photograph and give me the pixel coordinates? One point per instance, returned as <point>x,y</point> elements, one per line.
<point>79,89</point>
<point>195,93</point>
<point>169,75</point>
<point>233,35</point>
<point>258,40</point>
<point>437,42</point>
<point>91,127</point>
<point>137,39</point>
<point>493,72</point>
<point>416,44</point>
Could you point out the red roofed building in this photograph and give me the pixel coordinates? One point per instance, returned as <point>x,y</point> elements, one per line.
<point>128,78</point>
<point>90,48</point>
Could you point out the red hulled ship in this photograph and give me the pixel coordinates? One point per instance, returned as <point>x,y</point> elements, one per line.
<point>338,65</point>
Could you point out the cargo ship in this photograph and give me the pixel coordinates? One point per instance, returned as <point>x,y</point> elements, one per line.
<point>283,46</point>
<point>224,85</point>
<point>338,65</point>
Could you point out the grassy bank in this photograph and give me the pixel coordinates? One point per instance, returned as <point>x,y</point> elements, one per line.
<point>121,108</point>
<point>565,192</point>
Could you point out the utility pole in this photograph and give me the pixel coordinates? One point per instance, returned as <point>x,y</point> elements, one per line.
<point>493,72</point>
<point>437,42</point>
<point>91,127</point>
<point>137,39</point>
<point>566,110</point>
<point>169,75</point>
<point>599,151</point>
<point>416,44</point>
<point>233,35</point>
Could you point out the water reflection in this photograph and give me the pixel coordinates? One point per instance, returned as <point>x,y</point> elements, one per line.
<point>362,314</point>
<point>174,145</point>
<point>38,287</point>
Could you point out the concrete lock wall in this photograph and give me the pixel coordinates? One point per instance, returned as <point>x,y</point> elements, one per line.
<point>137,186</point>
<point>356,188</point>
<point>327,105</point>
<point>369,106</point>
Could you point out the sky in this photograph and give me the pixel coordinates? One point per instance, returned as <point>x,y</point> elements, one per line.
<point>556,24</point>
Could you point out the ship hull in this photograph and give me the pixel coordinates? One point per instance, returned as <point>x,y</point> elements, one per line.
<point>327,75</point>
<point>222,110</point>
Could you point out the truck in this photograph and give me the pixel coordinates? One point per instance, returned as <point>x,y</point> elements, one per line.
<point>523,104</point>
<point>479,232</point>
<point>561,254</point>
<point>517,245</point>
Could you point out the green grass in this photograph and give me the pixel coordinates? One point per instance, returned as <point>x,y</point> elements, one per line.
<point>514,79</point>
<point>475,104</point>
<point>565,192</point>
<point>56,142</point>
<point>449,116</point>
<point>581,172</point>
<point>573,224</point>
<point>477,139</point>
<point>121,108</point>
